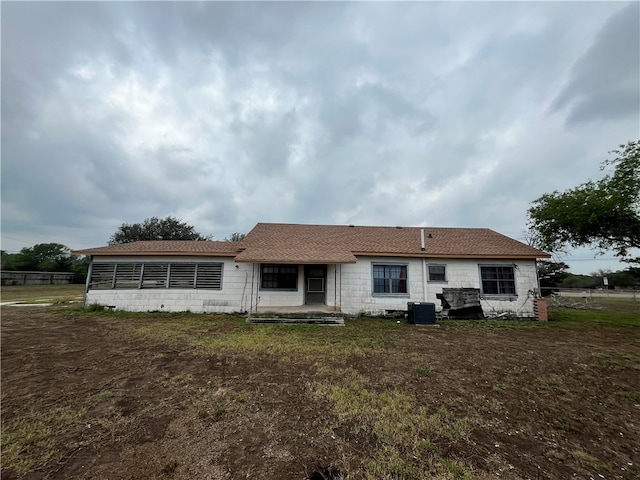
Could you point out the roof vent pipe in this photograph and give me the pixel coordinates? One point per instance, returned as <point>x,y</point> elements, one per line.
<point>422,247</point>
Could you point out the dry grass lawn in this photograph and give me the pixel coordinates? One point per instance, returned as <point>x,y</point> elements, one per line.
<point>182,396</point>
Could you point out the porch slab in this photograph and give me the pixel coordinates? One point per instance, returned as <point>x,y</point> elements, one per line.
<point>308,309</point>
<point>326,321</point>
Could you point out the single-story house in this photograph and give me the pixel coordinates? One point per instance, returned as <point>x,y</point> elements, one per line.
<point>345,268</point>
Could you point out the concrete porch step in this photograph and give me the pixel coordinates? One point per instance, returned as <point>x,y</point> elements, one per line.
<point>329,321</point>
<point>297,314</point>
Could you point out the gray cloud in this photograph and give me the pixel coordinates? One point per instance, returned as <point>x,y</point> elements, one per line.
<point>605,82</point>
<point>229,113</point>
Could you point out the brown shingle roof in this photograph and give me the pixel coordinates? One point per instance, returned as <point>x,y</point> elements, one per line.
<point>167,247</point>
<point>295,243</point>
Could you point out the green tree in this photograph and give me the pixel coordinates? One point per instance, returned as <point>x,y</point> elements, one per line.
<point>10,261</point>
<point>551,274</point>
<point>235,237</point>
<point>154,228</point>
<point>45,257</point>
<point>603,214</point>
<point>629,278</point>
<point>80,268</point>
<point>578,281</point>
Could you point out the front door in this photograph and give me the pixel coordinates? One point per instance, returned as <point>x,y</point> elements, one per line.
<point>315,284</point>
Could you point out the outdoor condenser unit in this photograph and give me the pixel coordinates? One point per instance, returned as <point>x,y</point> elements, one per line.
<point>421,313</point>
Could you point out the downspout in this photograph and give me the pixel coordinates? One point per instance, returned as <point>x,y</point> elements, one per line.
<point>340,287</point>
<point>423,248</point>
<point>424,279</point>
<point>253,277</point>
<point>335,287</point>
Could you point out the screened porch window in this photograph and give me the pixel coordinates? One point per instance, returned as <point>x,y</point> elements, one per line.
<point>156,275</point>
<point>389,279</point>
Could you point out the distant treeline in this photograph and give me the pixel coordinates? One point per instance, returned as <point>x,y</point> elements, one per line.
<point>557,275</point>
<point>47,257</point>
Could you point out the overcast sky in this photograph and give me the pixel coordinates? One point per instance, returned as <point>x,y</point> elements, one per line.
<point>229,114</point>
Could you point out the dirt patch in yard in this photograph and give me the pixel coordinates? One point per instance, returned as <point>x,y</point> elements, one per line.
<point>103,396</point>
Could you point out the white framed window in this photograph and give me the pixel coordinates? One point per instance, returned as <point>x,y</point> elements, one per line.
<point>390,279</point>
<point>279,277</point>
<point>437,272</point>
<point>498,280</point>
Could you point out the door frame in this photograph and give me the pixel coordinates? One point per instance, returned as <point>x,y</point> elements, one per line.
<point>307,277</point>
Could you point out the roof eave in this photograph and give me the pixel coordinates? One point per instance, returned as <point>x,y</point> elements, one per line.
<point>149,253</point>
<point>281,261</point>
<point>448,255</point>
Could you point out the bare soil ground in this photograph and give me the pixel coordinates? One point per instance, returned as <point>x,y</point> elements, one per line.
<point>93,395</point>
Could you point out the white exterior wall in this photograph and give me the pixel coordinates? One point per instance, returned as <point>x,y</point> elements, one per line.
<point>348,286</point>
<point>234,296</point>
<point>357,287</point>
<point>463,273</point>
<point>274,298</point>
<point>358,297</point>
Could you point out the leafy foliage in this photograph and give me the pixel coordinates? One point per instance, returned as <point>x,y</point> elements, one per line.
<point>235,237</point>
<point>555,275</point>
<point>579,281</point>
<point>603,214</point>
<point>154,228</point>
<point>628,278</point>
<point>10,261</point>
<point>548,269</point>
<point>47,257</point>
<point>50,257</point>
<point>551,274</point>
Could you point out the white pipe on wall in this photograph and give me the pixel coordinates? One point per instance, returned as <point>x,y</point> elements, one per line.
<point>424,279</point>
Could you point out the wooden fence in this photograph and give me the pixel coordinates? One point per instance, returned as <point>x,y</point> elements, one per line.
<point>35,278</point>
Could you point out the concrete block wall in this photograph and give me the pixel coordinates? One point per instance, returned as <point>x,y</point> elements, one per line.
<point>274,298</point>
<point>357,289</point>
<point>348,286</point>
<point>465,273</point>
<point>526,284</point>
<point>233,297</point>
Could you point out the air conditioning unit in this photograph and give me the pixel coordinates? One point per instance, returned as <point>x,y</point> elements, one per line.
<point>421,313</point>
